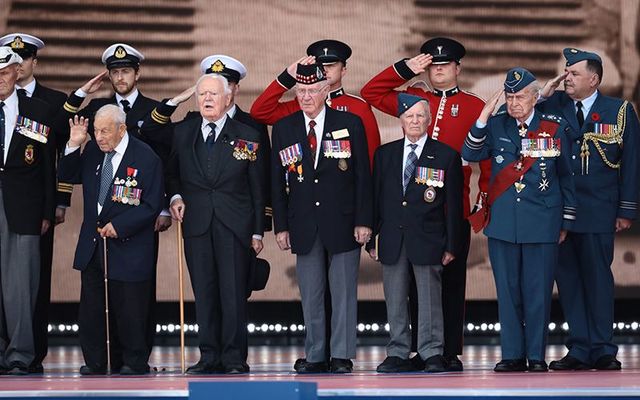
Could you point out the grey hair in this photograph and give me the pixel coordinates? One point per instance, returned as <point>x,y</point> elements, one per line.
<point>113,112</point>
<point>222,79</point>
<point>534,88</point>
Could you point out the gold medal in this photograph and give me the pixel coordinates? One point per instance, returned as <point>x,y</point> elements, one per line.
<point>136,202</point>
<point>342,164</point>
<point>134,183</point>
<point>430,194</point>
<point>519,186</point>
<point>125,200</point>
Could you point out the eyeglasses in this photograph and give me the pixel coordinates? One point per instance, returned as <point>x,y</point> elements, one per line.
<point>311,92</point>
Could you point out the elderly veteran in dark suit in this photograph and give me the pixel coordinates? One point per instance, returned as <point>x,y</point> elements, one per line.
<point>123,194</point>
<point>27,47</point>
<point>530,205</point>
<point>417,192</point>
<point>322,210</point>
<point>217,187</point>
<point>27,203</point>
<point>604,142</point>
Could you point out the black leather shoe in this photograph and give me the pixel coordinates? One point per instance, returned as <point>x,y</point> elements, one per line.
<point>299,362</point>
<point>453,364</point>
<point>341,366</point>
<point>435,364</point>
<point>86,370</point>
<point>236,369</point>
<point>608,362</point>
<point>518,365</point>
<point>36,369</point>
<point>203,368</point>
<point>393,364</point>
<point>537,366</point>
<point>127,370</point>
<point>306,367</point>
<point>417,362</point>
<point>18,370</point>
<point>568,363</point>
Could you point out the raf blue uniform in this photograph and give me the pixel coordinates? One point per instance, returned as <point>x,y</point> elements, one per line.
<point>524,229</point>
<point>607,188</point>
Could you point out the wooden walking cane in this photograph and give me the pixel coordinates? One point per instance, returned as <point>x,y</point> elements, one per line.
<point>106,301</point>
<point>181,288</point>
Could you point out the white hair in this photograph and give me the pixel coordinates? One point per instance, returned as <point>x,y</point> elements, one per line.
<point>113,112</point>
<point>218,77</point>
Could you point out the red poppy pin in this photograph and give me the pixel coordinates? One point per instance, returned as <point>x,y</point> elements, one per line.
<point>595,117</point>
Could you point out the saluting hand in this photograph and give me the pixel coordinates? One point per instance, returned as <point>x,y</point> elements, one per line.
<point>490,106</point>
<point>419,63</point>
<point>306,60</point>
<point>78,130</point>
<point>94,83</point>
<point>184,96</point>
<point>552,85</point>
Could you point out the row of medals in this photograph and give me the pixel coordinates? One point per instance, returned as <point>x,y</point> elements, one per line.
<point>128,183</point>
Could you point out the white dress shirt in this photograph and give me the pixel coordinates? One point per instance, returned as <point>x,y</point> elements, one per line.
<point>29,87</point>
<point>10,117</point>
<point>407,149</point>
<point>586,104</point>
<point>131,98</point>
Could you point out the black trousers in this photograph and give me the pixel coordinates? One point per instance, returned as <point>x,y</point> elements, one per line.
<point>454,284</point>
<point>128,319</point>
<point>43,299</point>
<point>218,267</point>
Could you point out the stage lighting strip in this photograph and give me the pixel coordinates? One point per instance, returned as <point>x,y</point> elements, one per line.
<point>374,328</point>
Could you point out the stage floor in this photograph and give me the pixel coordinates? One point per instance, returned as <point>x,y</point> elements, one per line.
<point>274,363</point>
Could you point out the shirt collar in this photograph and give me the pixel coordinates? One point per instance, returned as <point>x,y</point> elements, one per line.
<point>232,111</point>
<point>420,142</point>
<point>336,93</point>
<point>319,119</point>
<point>588,102</point>
<point>446,93</point>
<point>29,87</point>
<point>12,100</point>
<point>131,98</point>
<point>122,146</point>
<point>219,123</point>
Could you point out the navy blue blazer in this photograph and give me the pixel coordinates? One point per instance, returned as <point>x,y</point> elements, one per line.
<point>428,229</point>
<point>131,256</point>
<point>605,193</point>
<point>538,212</point>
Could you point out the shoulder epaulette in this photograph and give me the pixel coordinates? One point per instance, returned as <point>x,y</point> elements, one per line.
<point>473,94</point>
<point>551,117</point>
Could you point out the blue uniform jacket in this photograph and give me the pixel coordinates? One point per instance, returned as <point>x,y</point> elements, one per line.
<point>131,256</point>
<point>605,193</point>
<point>537,213</point>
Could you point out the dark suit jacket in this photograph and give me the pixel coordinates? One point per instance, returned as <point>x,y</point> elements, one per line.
<point>328,201</point>
<point>427,229</point>
<point>131,256</point>
<point>28,175</point>
<point>60,135</point>
<point>236,195</point>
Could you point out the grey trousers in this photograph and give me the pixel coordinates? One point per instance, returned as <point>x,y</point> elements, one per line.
<point>343,283</point>
<point>19,278</point>
<point>396,291</point>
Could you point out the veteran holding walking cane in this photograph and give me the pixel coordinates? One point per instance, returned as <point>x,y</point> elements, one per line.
<point>123,192</point>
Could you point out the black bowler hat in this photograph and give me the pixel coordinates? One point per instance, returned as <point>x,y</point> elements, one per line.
<point>443,50</point>
<point>258,276</point>
<point>329,51</point>
<point>309,74</point>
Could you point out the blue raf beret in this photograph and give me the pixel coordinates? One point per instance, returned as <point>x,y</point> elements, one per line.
<point>406,101</point>
<point>517,79</point>
<point>574,55</point>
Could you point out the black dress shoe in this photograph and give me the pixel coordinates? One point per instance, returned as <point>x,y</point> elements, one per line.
<point>517,365</point>
<point>417,362</point>
<point>86,370</point>
<point>203,368</point>
<point>393,364</point>
<point>435,364</point>
<point>18,370</point>
<point>36,369</point>
<point>306,367</point>
<point>537,366</point>
<point>453,364</point>
<point>341,366</point>
<point>608,362</point>
<point>236,369</point>
<point>299,362</point>
<point>568,363</point>
<point>127,370</point>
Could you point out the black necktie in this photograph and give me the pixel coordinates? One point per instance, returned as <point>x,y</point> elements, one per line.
<point>22,92</point>
<point>126,106</point>
<point>2,132</point>
<point>579,114</point>
<point>211,137</point>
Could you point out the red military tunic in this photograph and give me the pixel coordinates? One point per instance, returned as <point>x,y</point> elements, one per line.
<point>267,108</point>
<point>453,113</point>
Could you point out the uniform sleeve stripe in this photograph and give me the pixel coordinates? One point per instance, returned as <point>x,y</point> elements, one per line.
<point>68,107</point>
<point>475,139</point>
<point>569,217</point>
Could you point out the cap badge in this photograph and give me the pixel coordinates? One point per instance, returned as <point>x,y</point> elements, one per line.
<point>17,43</point>
<point>6,58</point>
<point>439,49</point>
<point>120,52</point>
<point>517,75</point>
<point>319,73</point>
<point>217,66</point>
<point>325,51</point>
<point>574,51</point>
